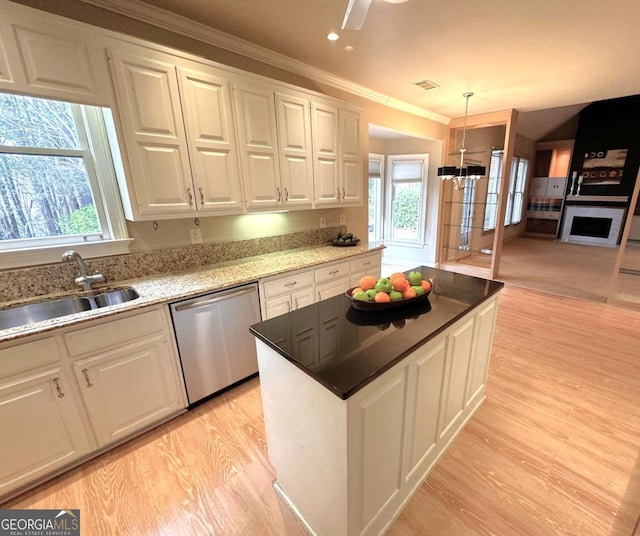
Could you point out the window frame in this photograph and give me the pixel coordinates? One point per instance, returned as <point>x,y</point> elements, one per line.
<point>423,158</point>
<point>379,230</point>
<point>514,182</point>
<point>96,153</point>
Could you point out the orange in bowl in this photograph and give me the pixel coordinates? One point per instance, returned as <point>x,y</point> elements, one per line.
<point>367,282</point>
<point>382,297</point>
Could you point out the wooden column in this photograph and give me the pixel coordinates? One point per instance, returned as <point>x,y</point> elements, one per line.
<point>509,147</point>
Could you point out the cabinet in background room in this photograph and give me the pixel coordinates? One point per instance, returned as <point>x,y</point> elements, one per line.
<point>548,187</point>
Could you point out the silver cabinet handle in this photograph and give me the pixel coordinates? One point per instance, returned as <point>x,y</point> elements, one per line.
<point>85,373</point>
<point>366,263</point>
<point>344,195</point>
<point>291,284</point>
<point>286,195</point>
<point>338,190</point>
<point>201,196</point>
<point>279,194</point>
<point>190,196</point>
<point>334,272</point>
<point>56,382</point>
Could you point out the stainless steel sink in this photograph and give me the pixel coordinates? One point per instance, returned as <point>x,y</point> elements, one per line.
<point>21,315</point>
<point>114,297</point>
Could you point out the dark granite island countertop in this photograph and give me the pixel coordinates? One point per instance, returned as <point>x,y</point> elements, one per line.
<point>344,349</point>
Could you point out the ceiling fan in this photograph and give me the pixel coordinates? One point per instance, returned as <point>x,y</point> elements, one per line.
<point>355,14</point>
<point>357,11</point>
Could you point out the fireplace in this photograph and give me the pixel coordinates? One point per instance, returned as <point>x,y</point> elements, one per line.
<point>597,226</point>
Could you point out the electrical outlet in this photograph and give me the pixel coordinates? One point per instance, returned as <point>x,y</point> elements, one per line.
<point>196,236</point>
<point>343,219</point>
<point>323,222</point>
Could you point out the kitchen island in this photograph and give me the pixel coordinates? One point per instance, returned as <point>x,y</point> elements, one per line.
<point>360,405</point>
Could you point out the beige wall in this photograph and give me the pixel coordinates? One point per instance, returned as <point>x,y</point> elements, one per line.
<point>223,228</point>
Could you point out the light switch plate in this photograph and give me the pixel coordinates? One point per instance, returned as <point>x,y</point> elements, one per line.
<point>196,236</point>
<point>343,219</point>
<point>323,222</point>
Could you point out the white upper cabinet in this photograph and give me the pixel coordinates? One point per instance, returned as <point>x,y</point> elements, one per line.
<point>350,156</point>
<point>258,146</point>
<point>212,145</point>
<point>44,55</point>
<point>155,141</point>
<point>293,114</point>
<point>325,154</point>
<point>178,131</point>
<point>337,155</point>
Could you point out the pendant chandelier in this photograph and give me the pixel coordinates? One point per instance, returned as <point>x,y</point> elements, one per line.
<point>460,176</point>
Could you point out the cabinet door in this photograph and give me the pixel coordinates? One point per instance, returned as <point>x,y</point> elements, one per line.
<point>296,158</point>
<point>211,136</point>
<point>423,401</point>
<point>277,306</point>
<point>479,366</point>
<point>332,288</point>
<point>556,187</point>
<point>258,146</point>
<point>301,298</point>
<point>375,422</point>
<point>351,177</point>
<point>326,172</point>
<point>538,187</point>
<point>128,389</point>
<point>151,115</point>
<point>7,49</point>
<point>41,428</point>
<point>459,343</point>
<point>52,58</point>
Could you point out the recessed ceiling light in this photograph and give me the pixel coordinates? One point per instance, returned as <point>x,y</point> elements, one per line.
<point>333,36</point>
<point>349,48</point>
<point>396,1</point>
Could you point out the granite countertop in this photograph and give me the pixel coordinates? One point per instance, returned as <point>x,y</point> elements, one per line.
<point>371,342</point>
<point>172,287</point>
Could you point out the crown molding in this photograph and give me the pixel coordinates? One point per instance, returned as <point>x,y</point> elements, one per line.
<point>166,20</point>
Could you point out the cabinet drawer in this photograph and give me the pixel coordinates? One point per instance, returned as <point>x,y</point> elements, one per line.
<point>543,215</point>
<point>27,356</point>
<point>110,334</point>
<point>289,283</point>
<point>367,263</point>
<point>334,271</point>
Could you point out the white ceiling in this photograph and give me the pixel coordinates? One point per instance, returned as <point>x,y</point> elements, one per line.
<point>526,54</point>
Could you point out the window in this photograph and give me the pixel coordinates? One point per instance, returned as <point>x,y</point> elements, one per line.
<point>493,188</point>
<point>407,175</point>
<point>515,198</point>
<point>517,183</point>
<point>376,165</point>
<point>51,193</point>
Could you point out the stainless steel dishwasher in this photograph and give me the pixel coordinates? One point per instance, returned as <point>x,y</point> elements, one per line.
<point>215,346</point>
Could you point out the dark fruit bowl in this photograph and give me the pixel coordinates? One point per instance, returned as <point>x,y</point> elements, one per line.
<point>345,244</point>
<point>373,306</point>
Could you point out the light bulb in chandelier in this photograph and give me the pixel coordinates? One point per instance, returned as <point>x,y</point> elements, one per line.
<point>460,176</point>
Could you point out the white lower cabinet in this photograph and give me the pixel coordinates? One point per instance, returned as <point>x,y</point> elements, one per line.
<point>127,389</point>
<point>363,458</point>
<point>41,427</point>
<point>78,390</point>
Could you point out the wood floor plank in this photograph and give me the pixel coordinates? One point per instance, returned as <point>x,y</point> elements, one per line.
<point>554,450</point>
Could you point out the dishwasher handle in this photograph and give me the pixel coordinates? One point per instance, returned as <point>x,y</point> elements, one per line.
<point>209,300</point>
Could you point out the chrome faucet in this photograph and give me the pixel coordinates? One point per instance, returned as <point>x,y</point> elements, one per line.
<point>84,280</point>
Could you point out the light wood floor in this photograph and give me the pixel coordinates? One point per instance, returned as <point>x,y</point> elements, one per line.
<point>554,450</point>
<point>559,267</point>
